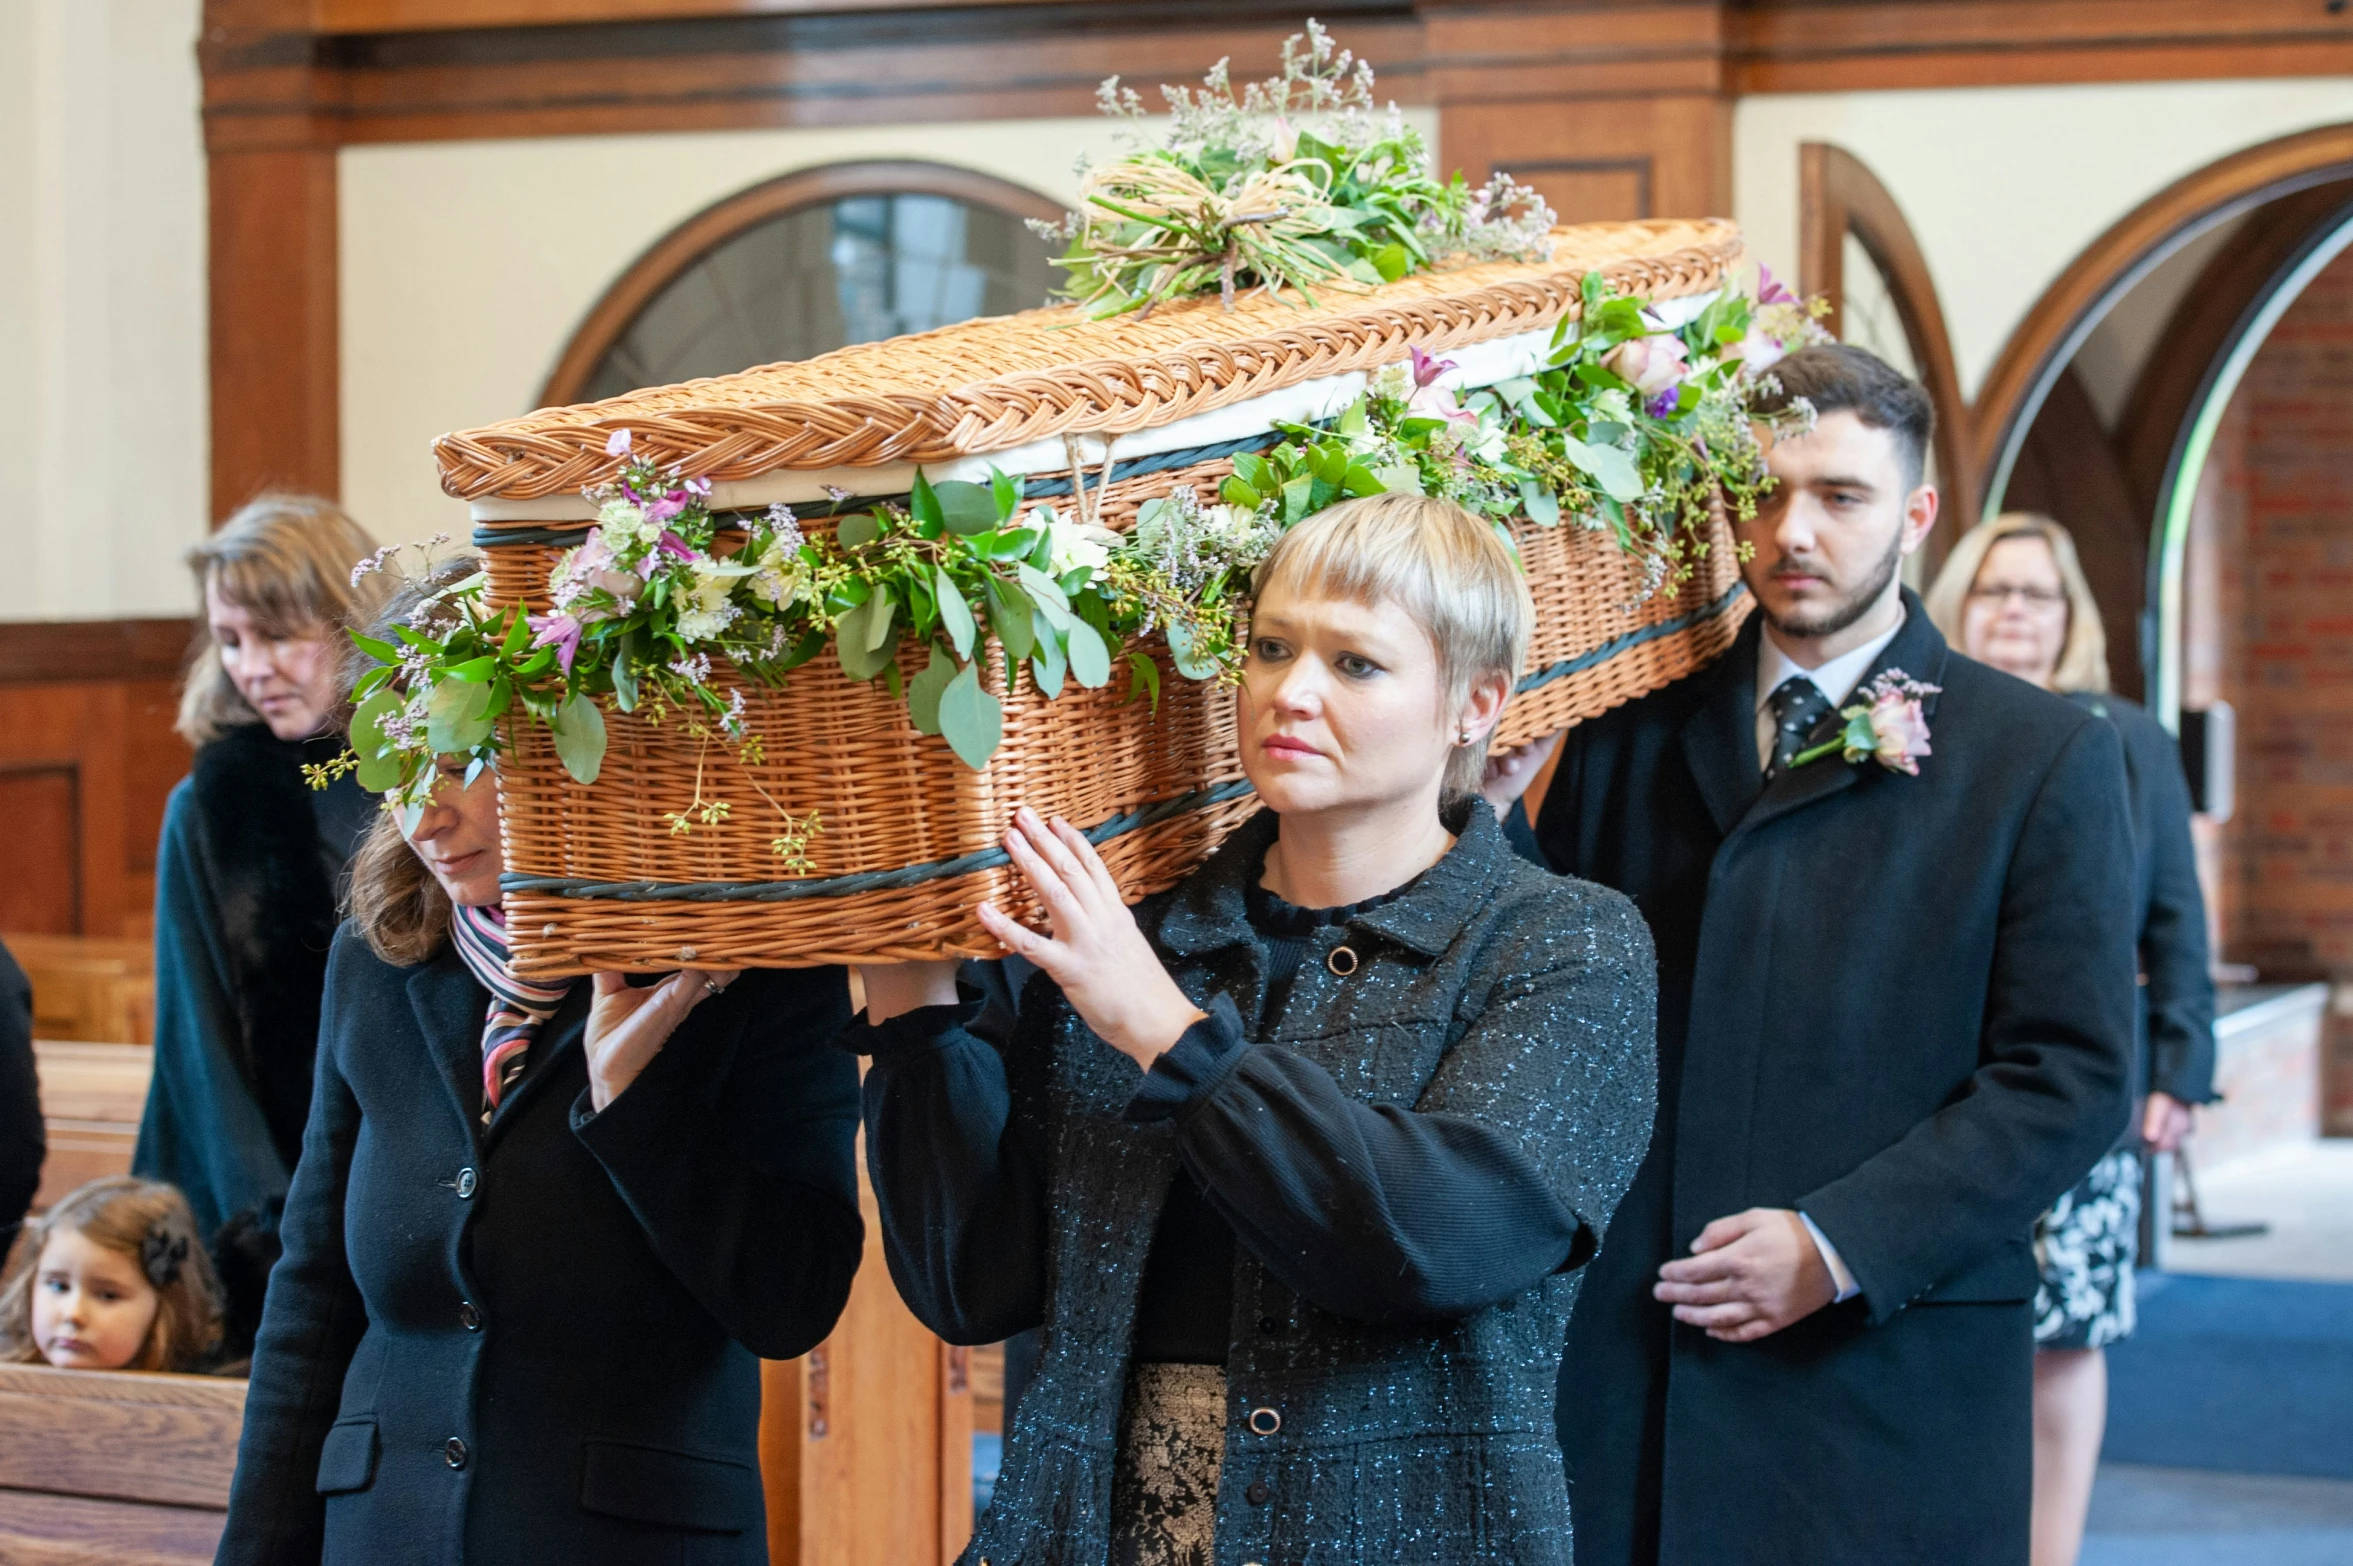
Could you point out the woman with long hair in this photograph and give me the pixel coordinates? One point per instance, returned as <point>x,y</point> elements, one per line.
<point>541,1234</point>
<point>2012,594</point>
<point>246,875</point>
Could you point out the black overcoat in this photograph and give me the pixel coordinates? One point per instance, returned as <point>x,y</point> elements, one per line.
<point>1902,1005</point>
<point>536,1343</point>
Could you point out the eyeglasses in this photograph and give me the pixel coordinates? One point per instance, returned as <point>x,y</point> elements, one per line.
<point>2000,593</point>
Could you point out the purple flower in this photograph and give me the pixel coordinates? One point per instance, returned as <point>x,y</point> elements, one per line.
<point>617,444</point>
<point>672,545</point>
<point>1663,405</point>
<point>667,507</point>
<point>700,488</point>
<point>560,631</point>
<point>1770,289</point>
<point>1426,369</point>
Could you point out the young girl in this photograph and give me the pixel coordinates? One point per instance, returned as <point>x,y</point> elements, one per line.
<point>112,1278</point>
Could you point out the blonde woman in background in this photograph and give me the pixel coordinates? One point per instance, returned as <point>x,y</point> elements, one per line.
<point>2013,595</point>
<point>246,875</point>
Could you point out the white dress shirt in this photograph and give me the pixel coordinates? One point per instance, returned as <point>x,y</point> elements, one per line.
<point>1836,680</point>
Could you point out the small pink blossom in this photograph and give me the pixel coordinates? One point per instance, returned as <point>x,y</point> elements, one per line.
<point>1650,364</point>
<point>1430,400</point>
<point>1771,290</point>
<point>671,544</point>
<point>617,444</point>
<point>560,631</point>
<point>1760,350</point>
<point>1426,370</point>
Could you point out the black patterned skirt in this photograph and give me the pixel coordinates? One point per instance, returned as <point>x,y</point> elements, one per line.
<point>1172,1437</point>
<point>2085,1246</point>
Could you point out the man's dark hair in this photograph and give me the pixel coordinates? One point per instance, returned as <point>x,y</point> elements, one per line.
<point>1837,378</point>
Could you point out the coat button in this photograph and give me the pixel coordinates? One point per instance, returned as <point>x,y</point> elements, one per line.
<point>469,1316</point>
<point>1265,1421</point>
<point>1257,1493</point>
<point>1268,1326</point>
<point>453,1452</point>
<point>465,1183</point>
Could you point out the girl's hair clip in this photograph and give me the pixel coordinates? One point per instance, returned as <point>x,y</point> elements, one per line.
<point>162,1255</point>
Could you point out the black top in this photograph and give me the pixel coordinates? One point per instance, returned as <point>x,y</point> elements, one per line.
<point>1187,1305</point>
<point>1492,1034</point>
<point>24,1139</point>
<point>2176,1055</point>
<point>539,1341</point>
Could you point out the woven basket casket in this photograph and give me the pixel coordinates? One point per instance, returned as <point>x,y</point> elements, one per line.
<point>909,838</point>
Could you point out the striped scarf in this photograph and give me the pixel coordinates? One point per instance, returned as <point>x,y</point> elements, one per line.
<point>518,1007</point>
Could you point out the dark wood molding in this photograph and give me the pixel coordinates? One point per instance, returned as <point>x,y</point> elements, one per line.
<point>695,238</point>
<point>1838,195</point>
<point>2044,342</point>
<point>59,652</point>
<point>1779,46</point>
<point>275,360</point>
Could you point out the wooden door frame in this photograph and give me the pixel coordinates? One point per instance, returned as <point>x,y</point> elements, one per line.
<point>1838,195</point>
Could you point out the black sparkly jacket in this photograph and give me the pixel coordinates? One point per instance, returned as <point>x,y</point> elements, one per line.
<point>1394,1349</point>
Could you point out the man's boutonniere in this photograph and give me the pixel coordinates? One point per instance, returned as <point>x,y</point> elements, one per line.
<point>1886,726</point>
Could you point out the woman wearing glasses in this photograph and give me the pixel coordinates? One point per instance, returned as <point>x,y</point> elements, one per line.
<point>2013,595</point>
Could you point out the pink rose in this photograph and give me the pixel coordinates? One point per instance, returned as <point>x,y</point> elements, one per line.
<point>1899,731</point>
<point>1649,364</point>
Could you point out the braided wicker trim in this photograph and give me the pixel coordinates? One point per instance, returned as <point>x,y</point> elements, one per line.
<point>866,881</point>
<point>989,384</point>
<point>1628,642</point>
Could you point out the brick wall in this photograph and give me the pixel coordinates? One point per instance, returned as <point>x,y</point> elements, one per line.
<point>2269,600</point>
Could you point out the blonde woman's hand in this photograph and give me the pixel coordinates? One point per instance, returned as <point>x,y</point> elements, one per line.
<point>1110,973</point>
<point>628,1025</point>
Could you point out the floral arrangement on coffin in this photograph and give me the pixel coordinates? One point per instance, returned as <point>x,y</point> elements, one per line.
<point>1298,181</point>
<point>1632,426</point>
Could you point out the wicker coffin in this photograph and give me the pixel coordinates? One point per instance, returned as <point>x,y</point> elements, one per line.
<point>595,878</point>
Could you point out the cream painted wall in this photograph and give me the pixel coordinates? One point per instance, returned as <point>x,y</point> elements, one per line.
<point>2006,185</point>
<point>103,426</point>
<point>467,265</point>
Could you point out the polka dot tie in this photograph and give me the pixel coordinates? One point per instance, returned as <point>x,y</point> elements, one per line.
<point>1798,707</point>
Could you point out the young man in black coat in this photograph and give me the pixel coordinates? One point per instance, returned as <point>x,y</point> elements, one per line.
<point>1895,1010</point>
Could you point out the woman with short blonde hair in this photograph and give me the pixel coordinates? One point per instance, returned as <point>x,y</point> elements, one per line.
<point>1297,1162</point>
<point>2013,594</point>
<point>246,874</point>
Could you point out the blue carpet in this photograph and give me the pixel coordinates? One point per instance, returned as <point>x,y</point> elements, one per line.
<point>2247,1375</point>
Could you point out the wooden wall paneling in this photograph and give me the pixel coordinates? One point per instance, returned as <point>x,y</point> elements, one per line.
<point>1495,51</point>
<point>2046,339</point>
<point>866,1441</point>
<point>274,356</point>
<point>1598,159</point>
<point>1838,195</point>
<point>1843,46</point>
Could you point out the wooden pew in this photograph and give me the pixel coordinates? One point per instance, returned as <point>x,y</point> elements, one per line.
<point>113,1468</point>
<point>93,988</point>
<point>91,1098</point>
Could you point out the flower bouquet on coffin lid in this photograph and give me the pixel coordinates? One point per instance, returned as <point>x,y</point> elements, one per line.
<point>837,619</point>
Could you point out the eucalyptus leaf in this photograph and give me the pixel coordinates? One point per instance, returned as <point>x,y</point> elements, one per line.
<point>881,610</point>
<point>1090,659</point>
<point>859,529</point>
<point>1613,469</point>
<point>1047,594</point>
<point>923,504</point>
<point>1541,504</point>
<point>1047,665</point>
<point>1005,490</point>
<point>924,691</point>
<point>625,674</point>
<point>579,729</point>
<point>379,768</point>
<point>456,717</point>
<point>860,658</point>
<point>1010,616</point>
<point>955,613</point>
<point>966,508</point>
<point>972,720</point>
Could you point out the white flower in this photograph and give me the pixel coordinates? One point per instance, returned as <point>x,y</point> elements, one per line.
<point>623,524</point>
<point>1392,383</point>
<point>712,612</point>
<point>780,579</point>
<point>1074,545</point>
